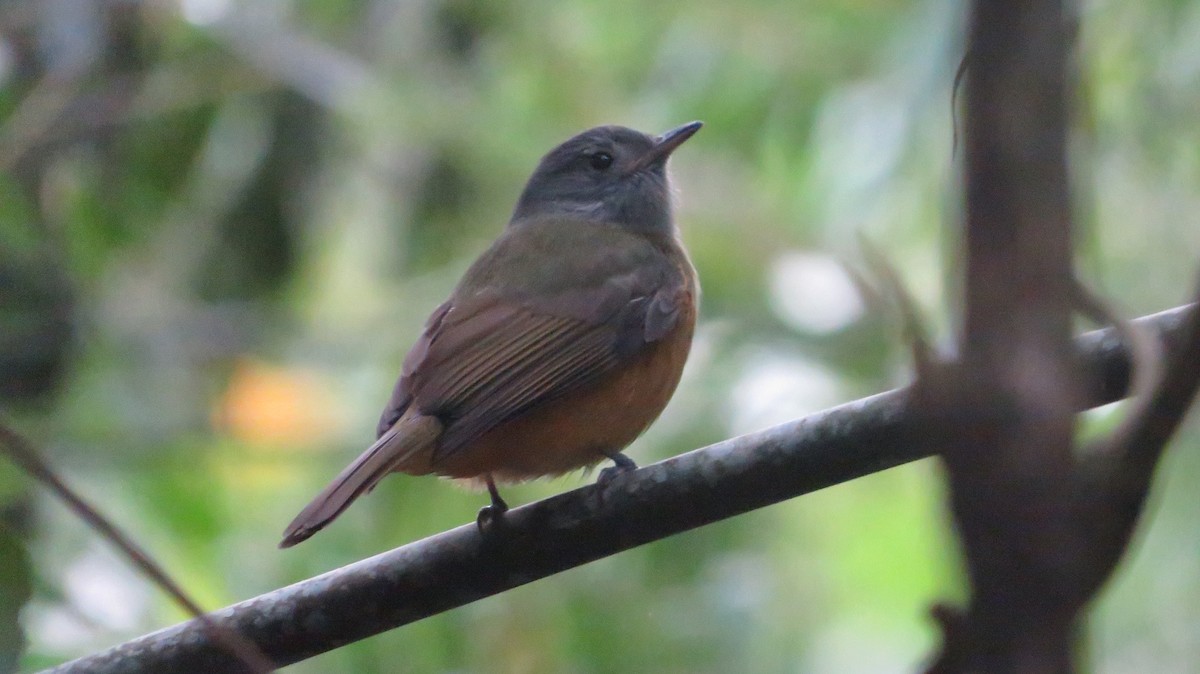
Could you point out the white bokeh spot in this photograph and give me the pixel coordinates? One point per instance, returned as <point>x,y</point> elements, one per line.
<point>813,292</point>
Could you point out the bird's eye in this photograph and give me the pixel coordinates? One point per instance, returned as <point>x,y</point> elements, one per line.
<point>600,160</point>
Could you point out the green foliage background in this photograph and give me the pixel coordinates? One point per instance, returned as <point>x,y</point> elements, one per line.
<point>222,224</point>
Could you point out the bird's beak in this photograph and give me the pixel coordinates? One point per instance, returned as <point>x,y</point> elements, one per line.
<point>665,144</point>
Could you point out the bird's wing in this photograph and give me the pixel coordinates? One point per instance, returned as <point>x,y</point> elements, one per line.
<point>487,358</point>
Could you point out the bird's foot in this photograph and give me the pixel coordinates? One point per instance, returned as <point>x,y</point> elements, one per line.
<point>621,464</point>
<point>491,516</point>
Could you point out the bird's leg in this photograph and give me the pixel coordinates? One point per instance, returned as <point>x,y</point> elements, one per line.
<point>491,514</point>
<point>498,503</point>
<point>621,464</point>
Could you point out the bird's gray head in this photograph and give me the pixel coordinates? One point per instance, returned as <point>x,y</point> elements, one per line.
<point>609,174</point>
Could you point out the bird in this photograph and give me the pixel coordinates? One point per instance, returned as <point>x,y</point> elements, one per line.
<point>561,343</point>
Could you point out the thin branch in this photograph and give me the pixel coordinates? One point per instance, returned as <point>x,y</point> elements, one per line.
<point>913,328</point>
<point>960,76</point>
<point>233,645</point>
<point>1145,352</point>
<point>1140,442</point>
<point>1116,474</point>
<point>457,567</point>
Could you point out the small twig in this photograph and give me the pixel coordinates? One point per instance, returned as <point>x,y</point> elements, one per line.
<point>1145,352</point>
<point>22,453</point>
<point>960,76</point>
<point>913,328</point>
<point>1116,472</point>
<point>1176,390</point>
<point>1138,443</point>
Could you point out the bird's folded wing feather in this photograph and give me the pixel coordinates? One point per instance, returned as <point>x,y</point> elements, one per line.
<point>486,359</point>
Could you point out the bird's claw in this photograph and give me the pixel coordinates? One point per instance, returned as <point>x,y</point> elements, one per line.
<point>490,517</point>
<point>621,464</point>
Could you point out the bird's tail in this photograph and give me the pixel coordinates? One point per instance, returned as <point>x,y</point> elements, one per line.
<point>409,435</point>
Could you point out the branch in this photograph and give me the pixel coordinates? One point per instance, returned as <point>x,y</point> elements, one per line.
<point>1042,525</point>
<point>457,567</point>
<point>232,644</point>
<point>1005,412</point>
<point>1116,473</point>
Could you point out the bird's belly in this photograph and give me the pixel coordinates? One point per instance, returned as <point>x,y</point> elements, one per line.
<point>582,427</point>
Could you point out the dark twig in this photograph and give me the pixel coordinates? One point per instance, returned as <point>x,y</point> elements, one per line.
<point>1145,352</point>
<point>1139,442</point>
<point>234,646</point>
<point>960,76</point>
<point>1116,473</point>
<point>915,334</point>
<point>457,567</point>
